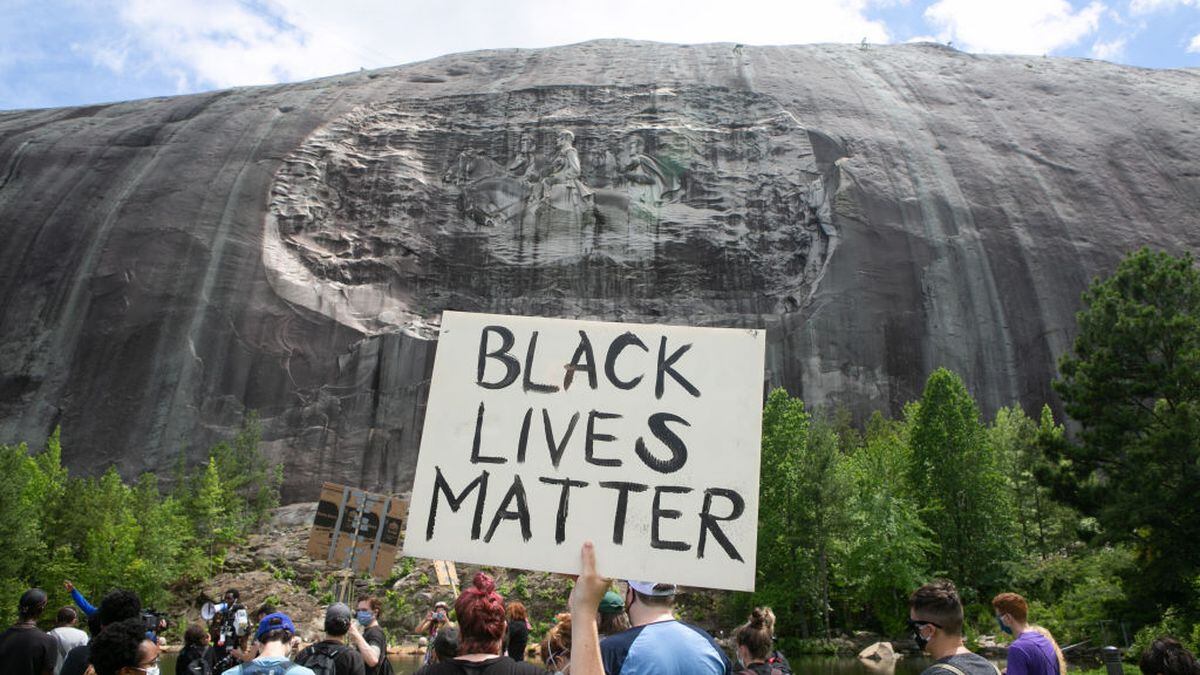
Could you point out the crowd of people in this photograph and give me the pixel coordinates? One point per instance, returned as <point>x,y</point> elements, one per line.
<point>604,632</point>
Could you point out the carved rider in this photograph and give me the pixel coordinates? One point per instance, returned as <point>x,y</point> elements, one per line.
<point>566,171</point>
<point>525,165</point>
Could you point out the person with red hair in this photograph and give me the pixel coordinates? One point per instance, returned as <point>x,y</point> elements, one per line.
<point>481,626</point>
<point>1034,651</point>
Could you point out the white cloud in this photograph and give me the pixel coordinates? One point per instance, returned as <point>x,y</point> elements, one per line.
<point>1194,45</point>
<point>1112,50</point>
<point>220,43</point>
<point>1015,27</point>
<point>1148,6</point>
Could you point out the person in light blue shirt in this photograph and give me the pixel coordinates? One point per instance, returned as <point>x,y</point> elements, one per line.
<point>659,643</point>
<point>274,633</point>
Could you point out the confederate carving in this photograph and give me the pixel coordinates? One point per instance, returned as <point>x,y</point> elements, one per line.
<point>568,201</point>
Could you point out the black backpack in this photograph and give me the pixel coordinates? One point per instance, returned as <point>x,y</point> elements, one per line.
<point>321,658</point>
<point>199,665</point>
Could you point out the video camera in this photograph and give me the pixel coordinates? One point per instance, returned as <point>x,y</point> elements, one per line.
<point>156,622</point>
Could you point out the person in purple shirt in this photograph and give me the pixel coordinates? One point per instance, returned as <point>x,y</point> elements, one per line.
<point>1034,651</point>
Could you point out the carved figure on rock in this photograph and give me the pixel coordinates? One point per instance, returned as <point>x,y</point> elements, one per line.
<point>563,187</point>
<point>649,182</point>
<point>489,196</point>
<point>599,164</point>
<point>525,164</point>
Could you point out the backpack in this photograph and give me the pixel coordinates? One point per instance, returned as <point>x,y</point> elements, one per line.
<point>319,658</point>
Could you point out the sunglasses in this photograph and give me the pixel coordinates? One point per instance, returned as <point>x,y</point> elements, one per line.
<point>915,625</point>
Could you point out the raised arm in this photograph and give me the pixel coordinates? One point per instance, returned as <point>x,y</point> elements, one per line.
<point>585,607</point>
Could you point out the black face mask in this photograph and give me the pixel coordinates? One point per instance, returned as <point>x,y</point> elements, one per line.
<point>915,628</point>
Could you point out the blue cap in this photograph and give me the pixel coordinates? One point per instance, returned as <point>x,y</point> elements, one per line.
<point>276,621</point>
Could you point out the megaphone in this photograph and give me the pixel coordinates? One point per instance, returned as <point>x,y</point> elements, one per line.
<point>209,610</point>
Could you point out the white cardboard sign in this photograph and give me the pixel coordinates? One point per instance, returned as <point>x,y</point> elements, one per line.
<point>542,433</point>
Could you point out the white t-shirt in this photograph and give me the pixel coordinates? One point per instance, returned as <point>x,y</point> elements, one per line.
<point>67,639</point>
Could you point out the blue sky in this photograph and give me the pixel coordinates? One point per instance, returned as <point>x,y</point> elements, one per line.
<point>73,52</point>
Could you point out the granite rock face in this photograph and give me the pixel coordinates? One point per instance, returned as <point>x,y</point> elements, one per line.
<point>169,264</point>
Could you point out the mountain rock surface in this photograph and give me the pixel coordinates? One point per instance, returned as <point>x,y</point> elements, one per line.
<point>170,264</point>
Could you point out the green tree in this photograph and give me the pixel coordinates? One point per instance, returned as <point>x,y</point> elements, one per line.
<point>1132,382</point>
<point>801,515</point>
<point>887,544</point>
<point>957,478</point>
<point>1043,525</point>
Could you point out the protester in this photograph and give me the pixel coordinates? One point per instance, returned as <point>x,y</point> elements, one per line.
<point>195,643</point>
<point>435,620</point>
<point>1166,656</point>
<point>481,626</point>
<point>936,621</point>
<point>66,635</point>
<point>24,648</point>
<point>119,605</point>
<point>445,644</point>
<point>80,601</point>
<point>1034,651</point>
<point>613,619</point>
<point>370,640</point>
<point>231,632</point>
<point>275,633</point>
<point>332,656</point>
<point>755,644</point>
<point>122,648</point>
<point>253,648</point>
<point>776,660</point>
<point>658,642</point>
<point>584,602</point>
<point>556,647</point>
<point>518,630</point>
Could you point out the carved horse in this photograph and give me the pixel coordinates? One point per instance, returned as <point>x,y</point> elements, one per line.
<point>488,195</point>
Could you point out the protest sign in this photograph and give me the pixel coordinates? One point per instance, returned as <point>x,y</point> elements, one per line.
<point>542,433</point>
<point>356,529</point>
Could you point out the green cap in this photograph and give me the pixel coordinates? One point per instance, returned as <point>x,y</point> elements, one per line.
<point>612,603</point>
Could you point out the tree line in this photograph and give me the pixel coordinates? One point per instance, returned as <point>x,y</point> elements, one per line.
<point>103,533</point>
<point>1099,528</point>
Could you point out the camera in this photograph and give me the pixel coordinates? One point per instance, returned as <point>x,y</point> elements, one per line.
<point>155,621</point>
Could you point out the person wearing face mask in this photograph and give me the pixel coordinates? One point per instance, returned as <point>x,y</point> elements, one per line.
<point>935,618</point>
<point>1034,651</point>
<point>367,636</point>
<point>123,649</point>
<point>658,642</point>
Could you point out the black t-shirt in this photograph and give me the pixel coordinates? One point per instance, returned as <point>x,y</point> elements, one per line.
<point>27,650</point>
<point>518,639</point>
<point>501,665</point>
<point>346,658</point>
<point>375,637</point>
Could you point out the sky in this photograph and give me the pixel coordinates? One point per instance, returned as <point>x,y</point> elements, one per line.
<point>75,52</point>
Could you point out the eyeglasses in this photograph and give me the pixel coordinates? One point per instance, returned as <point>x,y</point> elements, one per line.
<point>915,624</point>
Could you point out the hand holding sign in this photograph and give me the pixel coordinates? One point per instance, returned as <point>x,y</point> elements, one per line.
<point>541,433</point>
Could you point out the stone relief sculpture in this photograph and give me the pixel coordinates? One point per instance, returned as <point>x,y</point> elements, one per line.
<point>578,201</point>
